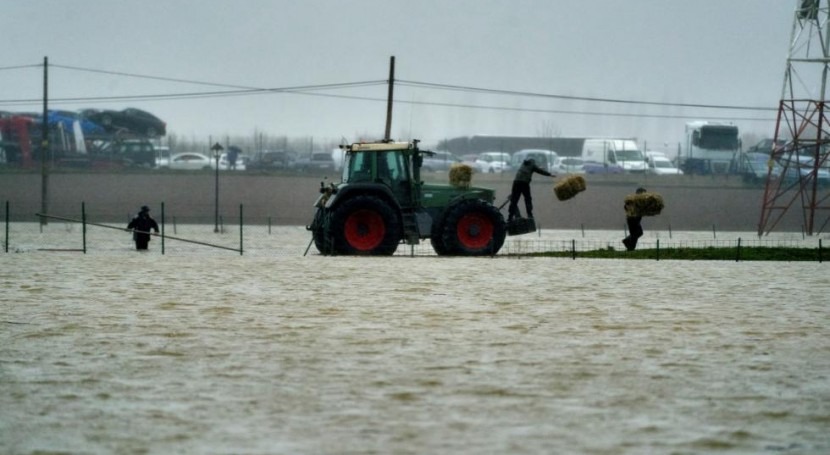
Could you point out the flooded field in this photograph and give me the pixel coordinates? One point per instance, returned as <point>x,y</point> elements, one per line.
<point>205,351</point>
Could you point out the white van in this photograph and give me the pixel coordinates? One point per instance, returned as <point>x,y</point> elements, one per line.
<point>545,159</point>
<point>615,152</point>
<point>492,162</point>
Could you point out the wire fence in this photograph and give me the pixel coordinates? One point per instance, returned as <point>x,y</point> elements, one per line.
<point>242,235</point>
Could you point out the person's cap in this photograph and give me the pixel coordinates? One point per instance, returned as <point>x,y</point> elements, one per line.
<point>640,190</point>
<point>144,208</point>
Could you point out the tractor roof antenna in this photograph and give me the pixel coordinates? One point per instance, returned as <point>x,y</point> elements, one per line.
<point>803,127</point>
<point>387,135</point>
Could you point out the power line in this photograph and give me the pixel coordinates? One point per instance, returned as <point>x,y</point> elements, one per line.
<point>573,98</point>
<point>308,90</point>
<point>215,84</point>
<point>6,68</point>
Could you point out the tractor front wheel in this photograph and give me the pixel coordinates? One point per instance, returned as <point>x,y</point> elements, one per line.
<point>365,225</point>
<point>321,240</point>
<point>473,228</point>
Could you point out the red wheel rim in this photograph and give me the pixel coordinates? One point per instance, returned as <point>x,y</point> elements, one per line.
<point>365,230</point>
<point>474,230</point>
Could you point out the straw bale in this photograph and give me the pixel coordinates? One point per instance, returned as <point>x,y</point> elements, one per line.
<point>461,175</point>
<point>569,187</point>
<point>643,204</point>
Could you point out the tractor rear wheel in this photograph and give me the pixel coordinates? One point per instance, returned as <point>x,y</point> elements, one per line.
<point>437,240</point>
<point>365,225</point>
<point>473,228</point>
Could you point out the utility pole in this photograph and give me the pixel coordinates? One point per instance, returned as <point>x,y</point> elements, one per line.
<point>388,134</point>
<point>44,146</point>
<point>802,132</point>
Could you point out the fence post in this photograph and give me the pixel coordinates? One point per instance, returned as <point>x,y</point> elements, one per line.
<point>658,249</point>
<point>6,247</point>
<point>240,229</point>
<point>714,234</point>
<point>573,248</point>
<point>738,254</point>
<point>83,225</point>
<point>162,228</point>
<point>819,250</point>
<point>269,225</point>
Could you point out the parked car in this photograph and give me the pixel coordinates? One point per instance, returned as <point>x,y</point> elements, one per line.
<point>493,162</point>
<point>572,165</point>
<point>134,152</point>
<point>755,166</point>
<point>439,161</point>
<point>132,120</point>
<point>224,165</point>
<point>660,165</point>
<point>545,159</point>
<point>269,160</point>
<point>470,160</point>
<point>190,161</point>
<point>803,166</point>
<point>592,167</point>
<point>67,120</point>
<point>318,161</point>
<point>162,156</point>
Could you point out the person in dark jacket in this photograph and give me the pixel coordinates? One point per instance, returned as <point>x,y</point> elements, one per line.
<point>141,226</point>
<point>635,230</point>
<point>521,188</point>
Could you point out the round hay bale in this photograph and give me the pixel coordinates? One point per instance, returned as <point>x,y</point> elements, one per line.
<point>461,175</point>
<point>569,187</point>
<point>643,204</point>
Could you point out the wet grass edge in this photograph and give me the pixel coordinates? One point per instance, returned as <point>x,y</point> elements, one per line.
<point>782,254</point>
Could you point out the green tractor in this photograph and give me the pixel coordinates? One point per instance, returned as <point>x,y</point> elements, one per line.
<point>382,201</point>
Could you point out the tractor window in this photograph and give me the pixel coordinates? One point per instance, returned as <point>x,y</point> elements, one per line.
<point>390,167</point>
<point>360,167</point>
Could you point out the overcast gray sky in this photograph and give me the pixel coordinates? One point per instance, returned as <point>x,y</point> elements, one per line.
<point>720,52</point>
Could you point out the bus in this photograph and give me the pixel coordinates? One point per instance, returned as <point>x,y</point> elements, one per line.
<point>711,148</point>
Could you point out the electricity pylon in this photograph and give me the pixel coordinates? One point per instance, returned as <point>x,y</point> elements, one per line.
<point>799,154</point>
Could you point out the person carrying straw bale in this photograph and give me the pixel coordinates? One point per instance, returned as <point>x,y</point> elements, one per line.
<point>641,203</point>
<point>521,188</point>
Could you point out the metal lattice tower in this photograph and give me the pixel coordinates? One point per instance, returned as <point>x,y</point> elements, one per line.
<point>802,134</point>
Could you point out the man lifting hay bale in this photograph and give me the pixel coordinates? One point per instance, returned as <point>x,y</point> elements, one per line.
<point>637,205</point>
<point>521,188</point>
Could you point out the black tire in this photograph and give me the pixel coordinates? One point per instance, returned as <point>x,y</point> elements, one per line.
<point>437,240</point>
<point>473,228</point>
<point>322,241</point>
<point>364,225</point>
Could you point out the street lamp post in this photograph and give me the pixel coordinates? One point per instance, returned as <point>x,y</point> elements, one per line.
<point>217,152</point>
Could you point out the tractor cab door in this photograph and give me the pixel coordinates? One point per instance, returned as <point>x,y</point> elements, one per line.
<point>393,172</point>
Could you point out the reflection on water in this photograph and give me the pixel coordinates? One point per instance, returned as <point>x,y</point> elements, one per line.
<point>122,352</point>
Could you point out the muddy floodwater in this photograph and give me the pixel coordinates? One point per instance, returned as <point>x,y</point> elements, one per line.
<point>142,353</point>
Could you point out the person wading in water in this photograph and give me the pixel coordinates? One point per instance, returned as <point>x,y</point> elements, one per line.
<point>141,226</point>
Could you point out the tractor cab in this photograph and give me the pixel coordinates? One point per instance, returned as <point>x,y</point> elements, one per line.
<point>395,165</point>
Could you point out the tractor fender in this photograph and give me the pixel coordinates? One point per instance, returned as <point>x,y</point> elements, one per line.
<point>354,189</point>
